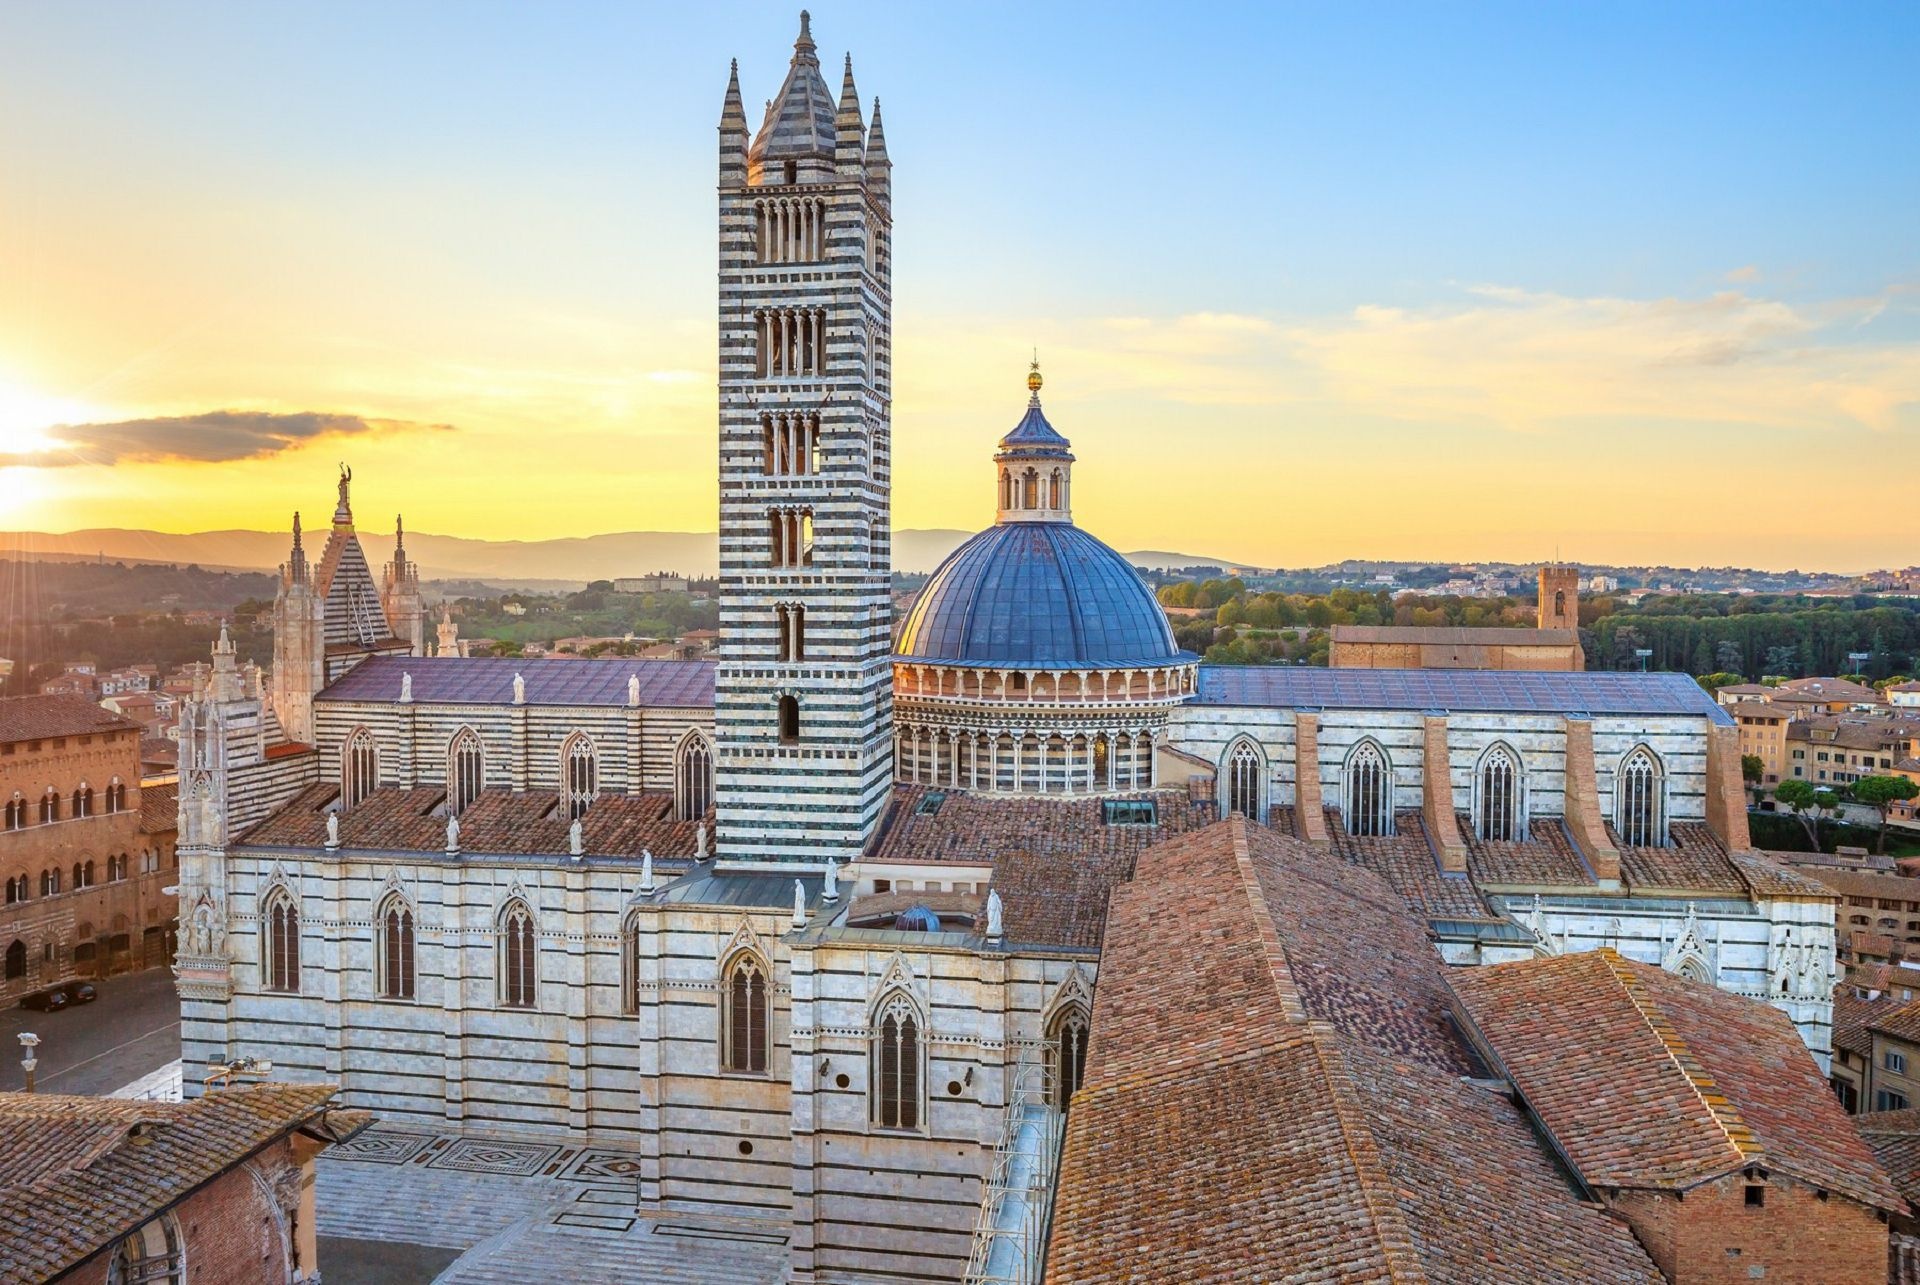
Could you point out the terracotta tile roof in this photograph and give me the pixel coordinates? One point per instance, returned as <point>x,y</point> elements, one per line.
<point>1851,1017</point>
<point>1767,874</point>
<point>1894,1139</point>
<point>1861,883</point>
<point>499,821</point>
<point>1901,1021</point>
<point>1645,1079</point>
<point>1225,979</point>
<point>1406,860</point>
<point>32,718</point>
<point>74,1179</point>
<point>1547,858</point>
<point>1695,861</point>
<point>1054,860</point>
<point>1758,709</point>
<point>159,808</point>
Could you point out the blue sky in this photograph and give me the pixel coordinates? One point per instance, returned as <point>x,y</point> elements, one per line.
<point>460,212</point>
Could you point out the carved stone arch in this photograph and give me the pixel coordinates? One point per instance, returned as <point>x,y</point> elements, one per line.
<point>396,885</point>
<point>897,978</point>
<point>1075,988</point>
<point>744,941</point>
<point>1640,784</point>
<point>278,876</point>
<point>516,891</point>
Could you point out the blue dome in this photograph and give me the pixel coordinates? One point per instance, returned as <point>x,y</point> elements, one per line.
<point>1044,594</point>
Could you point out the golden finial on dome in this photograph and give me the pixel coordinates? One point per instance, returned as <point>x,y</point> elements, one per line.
<point>1033,374</point>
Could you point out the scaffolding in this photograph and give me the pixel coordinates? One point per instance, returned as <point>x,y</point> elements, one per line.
<point>1010,1235</point>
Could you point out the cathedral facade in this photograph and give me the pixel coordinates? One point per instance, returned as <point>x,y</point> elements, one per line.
<point>810,927</point>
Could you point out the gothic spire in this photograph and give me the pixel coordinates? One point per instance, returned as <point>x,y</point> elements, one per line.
<point>849,134</point>
<point>733,133</point>
<point>297,560</point>
<point>800,120</point>
<point>879,168</point>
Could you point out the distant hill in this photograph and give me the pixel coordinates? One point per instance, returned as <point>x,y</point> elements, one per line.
<point>449,557</point>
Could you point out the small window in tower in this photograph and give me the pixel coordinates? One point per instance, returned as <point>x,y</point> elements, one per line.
<point>1756,1196</point>
<point>793,172</point>
<point>789,720</point>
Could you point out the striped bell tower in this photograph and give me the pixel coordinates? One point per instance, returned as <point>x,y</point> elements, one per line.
<point>803,707</point>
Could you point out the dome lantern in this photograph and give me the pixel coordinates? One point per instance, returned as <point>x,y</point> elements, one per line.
<point>1033,468</point>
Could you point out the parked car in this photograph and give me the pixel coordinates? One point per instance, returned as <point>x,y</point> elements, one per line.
<point>80,992</point>
<point>47,1001</point>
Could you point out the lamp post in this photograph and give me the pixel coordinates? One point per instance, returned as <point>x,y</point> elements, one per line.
<point>1643,653</point>
<point>28,1042</point>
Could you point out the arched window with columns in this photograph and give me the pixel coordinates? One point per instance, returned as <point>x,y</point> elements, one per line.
<point>1640,800</point>
<point>579,774</point>
<point>1368,790</point>
<point>1067,1036</point>
<point>466,770</point>
<point>693,777</point>
<point>518,956</point>
<point>895,1064</point>
<point>746,1014</point>
<point>630,958</point>
<point>359,767</point>
<point>1245,773</point>
<point>280,942</point>
<point>395,926</point>
<point>1499,796</point>
<point>152,1254</point>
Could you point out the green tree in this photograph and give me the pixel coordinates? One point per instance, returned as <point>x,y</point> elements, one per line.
<point>1753,770</point>
<point>1714,682</point>
<point>1806,803</point>
<point>1880,793</point>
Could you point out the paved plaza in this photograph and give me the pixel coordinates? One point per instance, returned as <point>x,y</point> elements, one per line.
<point>518,1211</point>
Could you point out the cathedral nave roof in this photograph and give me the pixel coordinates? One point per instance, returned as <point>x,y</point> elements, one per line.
<point>488,680</point>
<point>1487,690</point>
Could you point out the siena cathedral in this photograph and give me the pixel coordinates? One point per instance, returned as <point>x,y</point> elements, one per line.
<point>802,927</point>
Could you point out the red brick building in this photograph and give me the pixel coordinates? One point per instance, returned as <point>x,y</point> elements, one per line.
<point>217,1191</point>
<point>85,852</point>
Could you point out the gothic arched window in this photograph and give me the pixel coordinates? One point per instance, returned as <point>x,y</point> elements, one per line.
<point>519,957</point>
<point>49,807</point>
<point>1067,1053</point>
<point>395,925</point>
<point>693,778</point>
<point>579,774</point>
<point>50,882</point>
<point>1498,797</point>
<point>83,802</point>
<point>1640,800</point>
<point>359,768</point>
<point>16,812</point>
<point>744,1016</point>
<point>630,964</point>
<point>280,942</point>
<point>1244,779</point>
<point>466,770</point>
<point>894,1096</point>
<point>1369,790</point>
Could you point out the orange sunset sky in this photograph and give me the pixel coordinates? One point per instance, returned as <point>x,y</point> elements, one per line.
<point>1306,283</point>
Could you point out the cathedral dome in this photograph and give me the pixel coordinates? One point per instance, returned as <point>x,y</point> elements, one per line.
<point>1040,594</point>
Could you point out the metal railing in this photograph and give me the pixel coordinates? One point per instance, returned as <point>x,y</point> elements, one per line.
<point>1010,1233</point>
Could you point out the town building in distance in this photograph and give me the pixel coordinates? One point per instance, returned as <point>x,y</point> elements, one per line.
<point>815,928</point>
<point>86,851</point>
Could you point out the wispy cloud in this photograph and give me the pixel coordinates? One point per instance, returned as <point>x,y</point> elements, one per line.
<point>208,438</point>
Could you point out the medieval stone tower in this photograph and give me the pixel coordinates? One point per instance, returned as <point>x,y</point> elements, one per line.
<point>1559,606</point>
<point>803,705</point>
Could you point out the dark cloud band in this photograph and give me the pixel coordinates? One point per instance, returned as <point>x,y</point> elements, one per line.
<point>211,437</point>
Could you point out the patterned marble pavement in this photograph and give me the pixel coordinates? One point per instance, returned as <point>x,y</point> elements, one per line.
<point>531,1212</point>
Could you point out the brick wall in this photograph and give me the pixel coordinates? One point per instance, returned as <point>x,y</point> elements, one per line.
<point>1713,1235</point>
